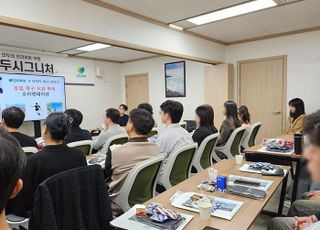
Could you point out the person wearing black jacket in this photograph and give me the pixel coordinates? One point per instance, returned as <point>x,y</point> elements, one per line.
<point>205,123</point>
<point>12,119</point>
<point>54,158</point>
<point>74,199</point>
<point>76,133</point>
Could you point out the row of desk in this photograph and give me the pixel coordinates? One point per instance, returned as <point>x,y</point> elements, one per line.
<point>251,208</point>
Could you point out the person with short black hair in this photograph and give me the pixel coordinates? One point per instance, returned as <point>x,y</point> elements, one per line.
<point>112,129</point>
<point>123,119</point>
<point>173,136</point>
<point>205,123</point>
<point>136,150</point>
<point>12,163</point>
<point>147,107</point>
<point>54,158</point>
<point>244,116</point>
<point>296,116</point>
<point>76,133</point>
<point>312,156</point>
<point>12,119</point>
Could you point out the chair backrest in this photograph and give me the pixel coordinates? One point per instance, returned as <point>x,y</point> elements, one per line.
<point>29,150</point>
<point>202,157</point>
<point>178,164</point>
<point>153,132</point>
<point>235,139</point>
<point>115,140</point>
<point>143,175</point>
<point>252,136</point>
<point>183,124</point>
<point>84,146</point>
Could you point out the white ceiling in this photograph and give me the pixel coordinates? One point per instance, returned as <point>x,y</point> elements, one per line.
<point>300,15</point>
<point>27,39</point>
<point>168,11</point>
<point>295,16</point>
<point>117,54</point>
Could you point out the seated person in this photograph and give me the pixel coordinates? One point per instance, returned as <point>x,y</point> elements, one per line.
<point>138,149</point>
<point>123,119</point>
<point>113,129</point>
<point>54,158</point>
<point>76,133</point>
<point>312,155</point>
<point>205,123</point>
<point>12,119</point>
<point>173,136</point>
<point>296,116</point>
<point>12,162</point>
<point>231,122</point>
<point>244,116</point>
<point>147,107</point>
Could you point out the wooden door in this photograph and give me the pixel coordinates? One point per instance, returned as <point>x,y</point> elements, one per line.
<point>137,90</point>
<point>218,88</point>
<point>262,88</point>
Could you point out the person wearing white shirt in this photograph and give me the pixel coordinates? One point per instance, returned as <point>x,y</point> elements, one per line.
<point>113,129</point>
<point>173,136</point>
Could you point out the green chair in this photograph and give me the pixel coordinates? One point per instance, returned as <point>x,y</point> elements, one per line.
<point>29,150</point>
<point>153,132</point>
<point>249,137</point>
<point>177,166</point>
<point>232,147</point>
<point>140,184</point>
<point>115,140</point>
<point>84,146</point>
<point>203,156</point>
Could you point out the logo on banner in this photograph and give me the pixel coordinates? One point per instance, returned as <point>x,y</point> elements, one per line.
<point>81,72</point>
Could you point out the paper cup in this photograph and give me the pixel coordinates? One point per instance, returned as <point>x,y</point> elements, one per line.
<point>213,173</point>
<point>205,210</point>
<point>239,159</point>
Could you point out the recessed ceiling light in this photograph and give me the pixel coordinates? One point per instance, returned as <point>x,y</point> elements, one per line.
<point>232,11</point>
<point>175,27</point>
<point>95,46</point>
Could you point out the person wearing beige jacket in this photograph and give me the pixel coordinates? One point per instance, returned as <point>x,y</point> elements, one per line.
<point>137,149</point>
<point>296,118</point>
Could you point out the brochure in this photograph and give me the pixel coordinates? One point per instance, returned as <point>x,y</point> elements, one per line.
<point>285,152</point>
<point>128,221</point>
<point>247,168</point>
<point>223,208</point>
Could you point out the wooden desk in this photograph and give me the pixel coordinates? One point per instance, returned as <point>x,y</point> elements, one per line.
<point>243,218</point>
<point>252,154</point>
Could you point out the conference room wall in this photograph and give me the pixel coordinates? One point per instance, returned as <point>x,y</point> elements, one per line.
<point>91,100</point>
<point>303,63</point>
<point>155,69</point>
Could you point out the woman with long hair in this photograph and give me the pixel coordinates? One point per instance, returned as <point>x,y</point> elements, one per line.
<point>231,122</point>
<point>205,123</point>
<point>244,116</point>
<point>296,116</point>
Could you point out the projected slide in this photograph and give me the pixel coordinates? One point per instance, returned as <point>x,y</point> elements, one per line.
<point>38,96</point>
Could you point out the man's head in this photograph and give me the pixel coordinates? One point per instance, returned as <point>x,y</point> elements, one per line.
<point>12,162</point>
<point>147,107</point>
<point>123,109</point>
<point>112,116</point>
<point>312,151</point>
<point>12,118</point>
<point>140,122</point>
<point>76,116</point>
<point>171,112</point>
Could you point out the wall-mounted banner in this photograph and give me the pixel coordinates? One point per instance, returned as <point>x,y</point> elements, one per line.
<point>22,63</point>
